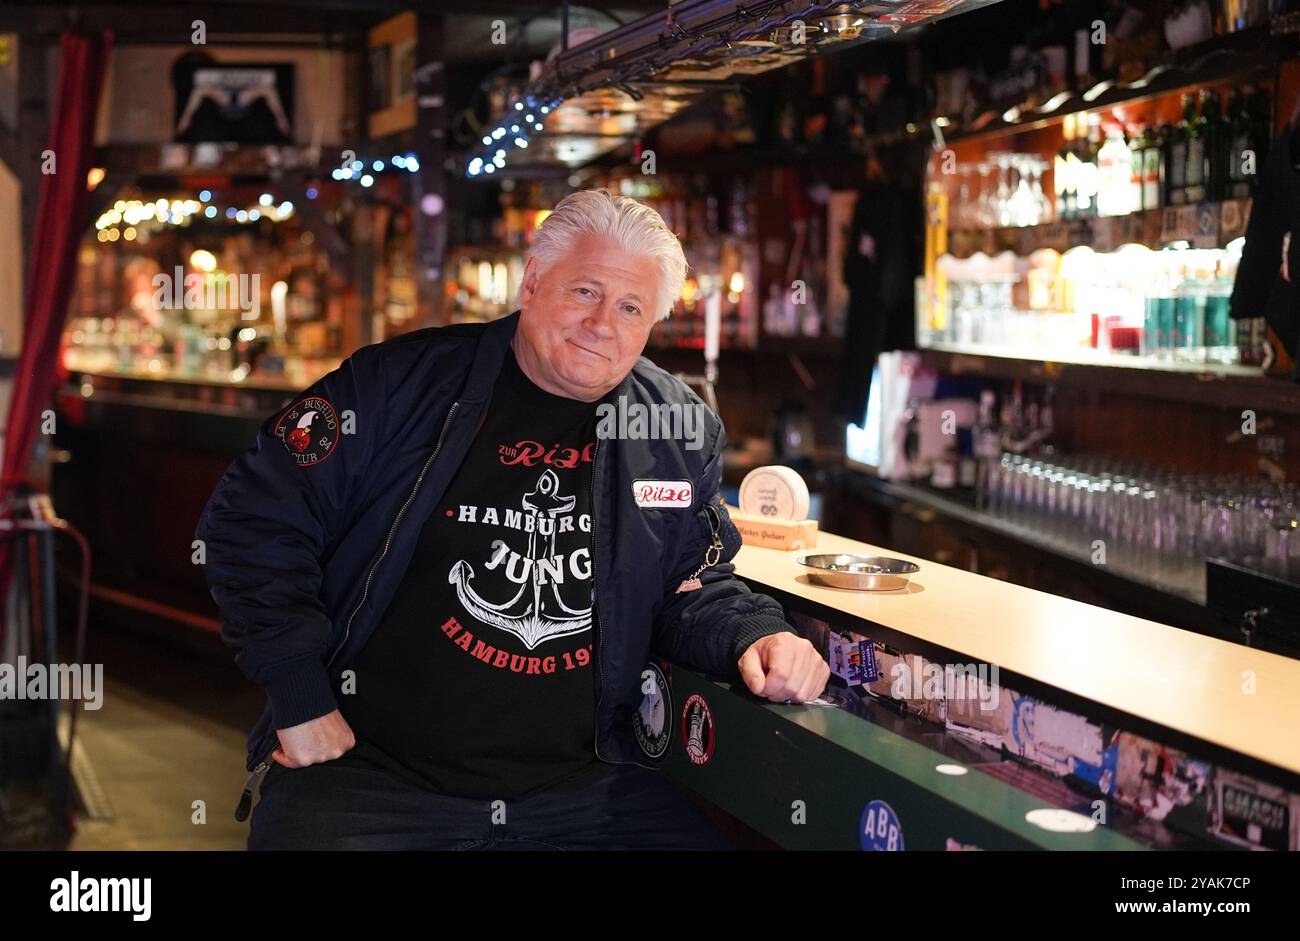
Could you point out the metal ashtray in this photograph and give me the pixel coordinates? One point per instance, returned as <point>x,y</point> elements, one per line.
<point>859,572</point>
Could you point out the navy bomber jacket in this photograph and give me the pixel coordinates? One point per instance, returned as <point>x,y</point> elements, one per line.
<point>310,531</point>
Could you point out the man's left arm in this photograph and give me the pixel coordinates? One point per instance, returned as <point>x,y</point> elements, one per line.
<point>722,627</point>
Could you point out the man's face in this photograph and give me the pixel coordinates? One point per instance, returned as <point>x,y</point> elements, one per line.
<point>584,322</point>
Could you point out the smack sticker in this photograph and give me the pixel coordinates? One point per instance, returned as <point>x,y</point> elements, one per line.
<point>309,430</point>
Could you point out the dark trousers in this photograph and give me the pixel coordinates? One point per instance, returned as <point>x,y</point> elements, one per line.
<point>346,804</point>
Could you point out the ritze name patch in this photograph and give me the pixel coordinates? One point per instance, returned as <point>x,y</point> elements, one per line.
<point>654,493</point>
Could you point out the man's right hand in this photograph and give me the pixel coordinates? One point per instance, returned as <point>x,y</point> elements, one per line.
<point>322,739</point>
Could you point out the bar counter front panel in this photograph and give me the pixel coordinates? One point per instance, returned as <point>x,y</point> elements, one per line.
<point>142,457</point>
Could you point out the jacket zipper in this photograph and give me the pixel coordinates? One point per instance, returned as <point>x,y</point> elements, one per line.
<point>595,615</point>
<point>259,772</point>
<point>595,612</point>
<point>254,781</point>
<point>347,630</point>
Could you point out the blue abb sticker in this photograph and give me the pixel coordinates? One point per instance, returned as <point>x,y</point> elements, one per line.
<point>879,829</point>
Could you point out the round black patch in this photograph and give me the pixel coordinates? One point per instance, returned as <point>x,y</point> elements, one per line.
<point>653,721</point>
<point>309,430</point>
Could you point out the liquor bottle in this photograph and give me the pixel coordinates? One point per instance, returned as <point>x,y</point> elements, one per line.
<point>1189,315</point>
<point>1176,156</point>
<point>1195,131</point>
<point>1049,40</point>
<point>1220,328</point>
<point>1086,56</point>
<point>1260,108</point>
<point>1152,169</point>
<point>1159,310</point>
<point>1252,341</point>
<point>1061,171</point>
<point>1216,145</point>
<point>1013,421</point>
<point>738,221</point>
<point>789,120</point>
<point>1089,152</point>
<point>1070,182</point>
<point>1114,174</point>
<point>986,445</point>
<point>1238,134</point>
<point>817,116</point>
<point>945,469</point>
<point>1136,146</point>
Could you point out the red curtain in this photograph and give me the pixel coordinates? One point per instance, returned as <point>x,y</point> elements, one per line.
<point>60,223</point>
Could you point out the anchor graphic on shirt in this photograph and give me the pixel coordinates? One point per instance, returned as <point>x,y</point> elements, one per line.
<point>524,615</point>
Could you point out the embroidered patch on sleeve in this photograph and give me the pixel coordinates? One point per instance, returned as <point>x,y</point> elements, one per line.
<point>309,430</point>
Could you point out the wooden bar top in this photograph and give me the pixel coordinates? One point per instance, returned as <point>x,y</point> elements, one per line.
<point>1174,678</point>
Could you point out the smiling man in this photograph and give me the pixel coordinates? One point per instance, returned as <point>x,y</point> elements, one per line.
<point>452,587</point>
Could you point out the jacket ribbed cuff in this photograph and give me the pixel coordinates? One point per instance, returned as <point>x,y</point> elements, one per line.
<point>752,628</point>
<point>300,694</point>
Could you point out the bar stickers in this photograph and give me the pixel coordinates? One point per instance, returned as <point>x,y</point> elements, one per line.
<point>652,722</point>
<point>879,829</point>
<point>852,661</point>
<point>697,729</point>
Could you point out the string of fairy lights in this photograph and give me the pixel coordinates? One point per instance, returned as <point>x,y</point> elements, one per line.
<point>129,219</point>
<point>525,119</point>
<point>366,172</point>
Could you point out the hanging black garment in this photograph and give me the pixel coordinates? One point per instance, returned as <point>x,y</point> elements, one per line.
<point>1269,273</point>
<point>881,263</point>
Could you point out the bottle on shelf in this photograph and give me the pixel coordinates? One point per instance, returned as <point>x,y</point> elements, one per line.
<point>1152,169</point>
<point>1159,310</point>
<point>1061,167</point>
<point>986,446</point>
<point>1260,108</point>
<point>1217,143</point>
<point>1194,174</point>
<point>1176,155</point>
<point>1252,341</point>
<point>1070,183</point>
<point>1114,175</point>
<point>1220,328</point>
<point>944,470</point>
<point>1013,420</point>
<point>1241,159</point>
<point>1188,339</point>
<point>1088,170</point>
<point>1136,148</point>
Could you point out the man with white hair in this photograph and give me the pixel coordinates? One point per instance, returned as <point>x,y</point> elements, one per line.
<point>449,576</point>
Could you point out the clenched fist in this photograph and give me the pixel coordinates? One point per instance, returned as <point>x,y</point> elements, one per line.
<point>311,743</point>
<point>784,667</point>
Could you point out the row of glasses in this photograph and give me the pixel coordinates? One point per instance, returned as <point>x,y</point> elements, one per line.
<point>1004,190</point>
<point>1153,523</point>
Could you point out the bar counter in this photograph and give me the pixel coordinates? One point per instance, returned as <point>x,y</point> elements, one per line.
<point>1109,732</point>
<point>1187,683</point>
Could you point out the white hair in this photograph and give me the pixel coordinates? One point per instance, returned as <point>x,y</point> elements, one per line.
<point>636,227</point>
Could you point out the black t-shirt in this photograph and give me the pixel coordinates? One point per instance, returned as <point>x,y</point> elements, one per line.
<point>479,680</point>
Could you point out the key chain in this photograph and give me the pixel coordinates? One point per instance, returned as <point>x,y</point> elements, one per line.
<point>711,555</point>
